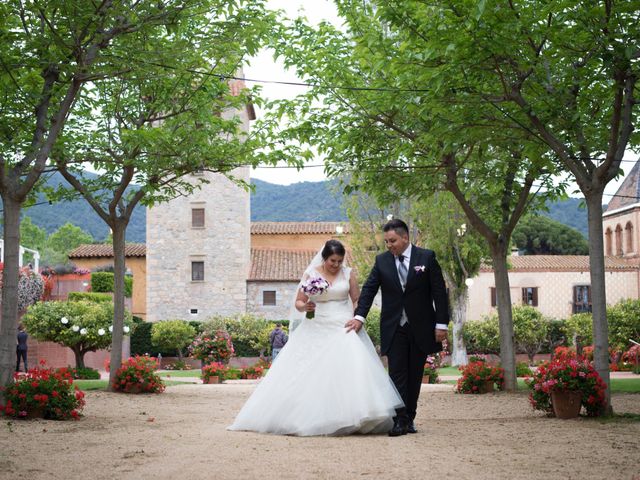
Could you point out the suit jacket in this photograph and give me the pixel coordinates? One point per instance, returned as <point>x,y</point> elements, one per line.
<point>424,299</point>
<point>22,341</point>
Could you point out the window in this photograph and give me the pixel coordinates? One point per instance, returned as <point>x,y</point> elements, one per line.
<point>607,242</point>
<point>197,271</point>
<point>269,297</point>
<point>494,297</point>
<point>581,298</point>
<point>530,296</point>
<point>619,240</point>
<point>629,234</point>
<point>197,217</point>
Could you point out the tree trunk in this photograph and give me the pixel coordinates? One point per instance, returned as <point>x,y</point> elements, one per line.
<point>459,314</point>
<point>10,275</point>
<point>507,337</point>
<point>79,354</point>
<point>118,299</point>
<point>598,291</point>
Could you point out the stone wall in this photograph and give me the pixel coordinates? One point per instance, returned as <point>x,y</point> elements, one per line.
<point>223,244</point>
<point>284,299</point>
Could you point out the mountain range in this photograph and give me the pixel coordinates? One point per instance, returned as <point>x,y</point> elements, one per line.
<point>298,202</point>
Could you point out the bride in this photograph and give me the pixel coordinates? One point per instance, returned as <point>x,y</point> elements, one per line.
<point>327,380</point>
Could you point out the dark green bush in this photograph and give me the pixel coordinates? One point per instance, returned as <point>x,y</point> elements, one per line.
<point>90,296</point>
<point>128,286</point>
<point>85,373</point>
<point>141,340</point>
<point>102,282</point>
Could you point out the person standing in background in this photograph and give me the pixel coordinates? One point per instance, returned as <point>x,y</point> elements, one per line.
<point>21,348</point>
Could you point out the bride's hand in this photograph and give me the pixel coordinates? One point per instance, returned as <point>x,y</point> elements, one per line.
<point>309,306</point>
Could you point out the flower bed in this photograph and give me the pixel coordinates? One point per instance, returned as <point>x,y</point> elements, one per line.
<point>137,375</point>
<point>214,369</point>
<point>253,372</point>
<point>43,392</point>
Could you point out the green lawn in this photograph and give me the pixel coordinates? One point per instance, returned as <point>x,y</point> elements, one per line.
<point>618,385</point>
<point>180,373</point>
<point>87,385</point>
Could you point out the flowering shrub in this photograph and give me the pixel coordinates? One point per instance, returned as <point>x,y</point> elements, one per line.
<point>563,374</point>
<point>254,371</point>
<point>43,391</point>
<point>215,369</point>
<point>30,287</point>
<point>264,363</point>
<point>631,358</point>
<point>476,375</point>
<point>563,354</point>
<point>212,348</point>
<point>137,375</point>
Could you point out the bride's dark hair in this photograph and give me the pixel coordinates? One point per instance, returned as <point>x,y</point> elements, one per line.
<point>332,247</point>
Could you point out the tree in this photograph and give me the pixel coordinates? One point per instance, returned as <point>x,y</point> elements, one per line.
<point>172,335</point>
<point>459,250</point>
<point>82,326</point>
<point>68,237</point>
<point>33,237</point>
<point>161,120</point>
<point>531,330</point>
<point>401,127</point>
<point>538,235</point>
<point>48,52</point>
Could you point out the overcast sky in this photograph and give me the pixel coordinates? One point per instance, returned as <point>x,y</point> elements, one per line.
<point>263,67</point>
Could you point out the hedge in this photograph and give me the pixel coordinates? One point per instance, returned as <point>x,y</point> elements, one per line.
<point>90,296</point>
<point>103,282</point>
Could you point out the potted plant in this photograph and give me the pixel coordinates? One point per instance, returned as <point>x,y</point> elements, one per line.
<point>137,375</point>
<point>43,392</point>
<point>214,372</point>
<point>430,371</point>
<point>479,377</point>
<point>565,385</point>
<point>216,347</point>
<point>252,372</point>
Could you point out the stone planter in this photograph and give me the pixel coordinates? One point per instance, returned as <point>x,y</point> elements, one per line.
<point>426,378</point>
<point>211,380</point>
<point>566,404</point>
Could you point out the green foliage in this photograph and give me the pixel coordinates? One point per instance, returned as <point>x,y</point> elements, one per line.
<point>172,335</point>
<point>102,282</point>
<point>624,323</point>
<point>537,235</point>
<point>372,326</point>
<point>523,370</point>
<point>580,324</point>
<point>530,329</point>
<point>85,373</point>
<point>90,297</point>
<point>68,237</point>
<point>482,336</point>
<point>82,326</point>
<point>249,333</point>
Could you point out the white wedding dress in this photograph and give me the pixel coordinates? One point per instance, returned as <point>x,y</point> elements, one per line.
<point>324,381</point>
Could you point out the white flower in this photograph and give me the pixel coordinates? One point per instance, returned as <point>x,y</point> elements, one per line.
<point>75,328</point>
<point>83,331</point>
<point>126,329</point>
<point>111,328</point>
<point>101,331</point>
<point>64,320</point>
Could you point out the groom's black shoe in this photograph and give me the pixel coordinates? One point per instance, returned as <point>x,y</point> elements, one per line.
<point>399,428</point>
<point>411,428</point>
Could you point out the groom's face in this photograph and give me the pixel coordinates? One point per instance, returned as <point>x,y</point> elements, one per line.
<point>396,243</point>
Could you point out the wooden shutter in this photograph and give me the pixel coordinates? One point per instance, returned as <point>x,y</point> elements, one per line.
<point>494,297</point>
<point>197,217</point>
<point>269,297</point>
<point>197,271</point>
<point>534,296</point>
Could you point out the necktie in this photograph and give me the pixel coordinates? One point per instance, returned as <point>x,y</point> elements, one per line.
<point>402,270</point>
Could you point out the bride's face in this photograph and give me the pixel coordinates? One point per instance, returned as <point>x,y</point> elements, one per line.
<point>333,263</point>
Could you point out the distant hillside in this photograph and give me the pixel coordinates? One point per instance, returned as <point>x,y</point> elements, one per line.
<point>306,201</point>
<point>298,202</point>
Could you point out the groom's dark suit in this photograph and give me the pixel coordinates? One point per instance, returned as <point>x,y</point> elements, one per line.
<point>424,299</point>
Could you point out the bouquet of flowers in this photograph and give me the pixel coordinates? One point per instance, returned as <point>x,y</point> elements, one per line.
<point>312,287</point>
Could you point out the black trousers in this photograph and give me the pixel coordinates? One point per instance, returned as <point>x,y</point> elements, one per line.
<point>406,364</point>
<point>21,354</point>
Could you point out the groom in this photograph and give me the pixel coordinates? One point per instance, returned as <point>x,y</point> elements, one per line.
<point>415,314</point>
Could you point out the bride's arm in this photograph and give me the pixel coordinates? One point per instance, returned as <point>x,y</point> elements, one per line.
<point>354,290</point>
<point>301,301</point>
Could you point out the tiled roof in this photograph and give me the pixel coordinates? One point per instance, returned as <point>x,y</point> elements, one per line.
<point>629,191</point>
<point>105,250</point>
<point>283,228</point>
<point>280,265</point>
<point>559,263</point>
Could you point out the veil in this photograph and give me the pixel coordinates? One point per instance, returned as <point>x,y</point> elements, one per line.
<point>296,317</point>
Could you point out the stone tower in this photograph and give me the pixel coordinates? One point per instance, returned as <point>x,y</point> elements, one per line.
<point>199,250</point>
<point>621,220</point>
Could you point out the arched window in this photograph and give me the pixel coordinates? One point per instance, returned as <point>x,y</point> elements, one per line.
<point>607,242</point>
<point>629,234</point>
<point>619,240</point>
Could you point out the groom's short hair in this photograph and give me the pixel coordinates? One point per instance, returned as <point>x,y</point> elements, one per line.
<point>397,226</point>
